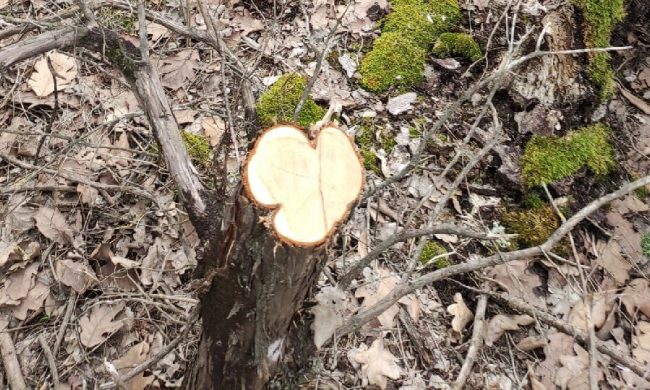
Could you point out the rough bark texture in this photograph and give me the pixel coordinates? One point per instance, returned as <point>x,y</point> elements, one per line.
<point>253,283</point>
<point>257,285</point>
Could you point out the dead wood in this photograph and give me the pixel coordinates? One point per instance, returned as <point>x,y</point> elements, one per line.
<point>10,362</point>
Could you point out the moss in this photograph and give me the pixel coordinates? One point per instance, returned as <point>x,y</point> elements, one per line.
<point>198,148</point>
<point>116,20</point>
<point>432,249</point>
<point>533,200</point>
<point>534,226</point>
<point>118,57</point>
<point>548,159</point>
<point>422,21</point>
<point>457,44</point>
<point>366,138</point>
<point>645,244</point>
<point>600,17</point>
<point>393,61</point>
<point>279,102</point>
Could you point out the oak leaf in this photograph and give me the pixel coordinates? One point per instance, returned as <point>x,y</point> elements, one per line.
<point>377,364</point>
<point>42,80</point>
<point>99,324</point>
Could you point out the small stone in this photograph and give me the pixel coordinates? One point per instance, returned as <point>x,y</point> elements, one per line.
<point>401,103</point>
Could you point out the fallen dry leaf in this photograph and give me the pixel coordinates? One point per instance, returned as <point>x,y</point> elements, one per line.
<point>636,297</point>
<point>612,260</point>
<point>135,356</point>
<point>52,224</point>
<point>574,373</point>
<point>75,274</point>
<point>601,305</point>
<point>99,325</point>
<point>19,283</point>
<point>178,69</point>
<point>213,128</point>
<point>333,305</point>
<point>374,291</point>
<point>33,301</point>
<point>8,252</point>
<point>41,80</point>
<point>501,323</point>
<point>518,279</point>
<point>377,364</point>
<point>641,342</point>
<point>558,344</point>
<point>462,314</point>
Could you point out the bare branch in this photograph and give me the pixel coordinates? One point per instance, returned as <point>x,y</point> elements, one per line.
<point>408,287</point>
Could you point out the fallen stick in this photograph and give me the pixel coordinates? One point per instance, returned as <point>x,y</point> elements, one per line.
<point>475,343</point>
<point>11,364</point>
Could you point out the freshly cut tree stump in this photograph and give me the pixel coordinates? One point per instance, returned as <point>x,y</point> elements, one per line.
<point>311,184</point>
<point>258,276</point>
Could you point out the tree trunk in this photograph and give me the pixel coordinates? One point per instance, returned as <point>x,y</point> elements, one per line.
<point>253,284</point>
<point>257,284</point>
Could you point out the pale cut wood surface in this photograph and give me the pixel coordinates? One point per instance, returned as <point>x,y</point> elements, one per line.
<point>313,184</point>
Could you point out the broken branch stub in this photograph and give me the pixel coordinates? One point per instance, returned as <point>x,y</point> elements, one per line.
<point>312,185</point>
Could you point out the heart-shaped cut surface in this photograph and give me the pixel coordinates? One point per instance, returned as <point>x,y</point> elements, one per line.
<point>311,184</point>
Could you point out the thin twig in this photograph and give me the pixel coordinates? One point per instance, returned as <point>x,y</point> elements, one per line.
<point>356,269</point>
<point>409,286</point>
<point>475,343</point>
<point>69,309</point>
<point>50,360</point>
<point>319,63</point>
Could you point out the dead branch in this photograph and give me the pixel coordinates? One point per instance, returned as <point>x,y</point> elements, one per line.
<point>49,357</point>
<point>475,343</point>
<point>357,267</point>
<point>409,286</point>
<point>11,364</point>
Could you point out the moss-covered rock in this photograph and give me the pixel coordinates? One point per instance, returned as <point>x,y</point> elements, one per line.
<point>548,159</point>
<point>600,17</point>
<point>395,60</point>
<point>198,148</point>
<point>422,21</point>
<point>533,226</point>
<point>457,44</point>
<point>278,103</point>
<point>432,249</point>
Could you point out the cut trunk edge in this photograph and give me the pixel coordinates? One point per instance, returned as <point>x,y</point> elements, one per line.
<point>311,185</point>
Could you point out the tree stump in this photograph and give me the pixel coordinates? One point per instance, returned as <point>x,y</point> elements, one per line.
<point>260,267</point>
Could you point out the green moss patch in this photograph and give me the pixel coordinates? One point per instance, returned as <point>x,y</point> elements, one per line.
<point>198,148</point>
<point>600,17</point>
<point>395,60</point>
<point>457,44</point>
<point>432,249</point>
<point>398,55</point>
<point>534,226</point>
<point>422,21</point>
<point>367,140</point>
<point>645,244</point>
<point>549,159</point>
<point>279,102</point>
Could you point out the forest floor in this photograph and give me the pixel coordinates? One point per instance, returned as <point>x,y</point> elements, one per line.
<point>97,253</point>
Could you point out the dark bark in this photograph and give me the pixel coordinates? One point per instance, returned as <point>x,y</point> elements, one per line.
<point>253,284</point>
<point>257,284</point>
